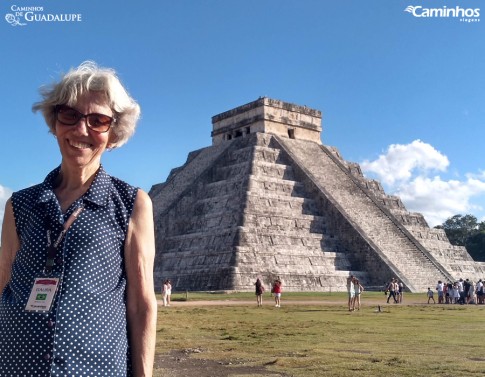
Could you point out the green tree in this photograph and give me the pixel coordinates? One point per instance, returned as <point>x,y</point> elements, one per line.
<point>476,245</point>
<point>466,231</point>
<point>459,228</point>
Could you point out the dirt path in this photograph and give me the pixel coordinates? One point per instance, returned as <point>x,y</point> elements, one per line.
<point>365,303</point>
<point>181,364</point>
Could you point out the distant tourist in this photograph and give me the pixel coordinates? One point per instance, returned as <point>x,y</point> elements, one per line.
<point>431,295</point>
<point>166,292</point>
<point>449,293</point>
<point>461,290</point>
<point>351,291</point>
<point>276,290</point>
<point>471,298</point>
<point>440,289</point>
<point>401,291</point>
<point>169,292</point>
<point>456,293</point>
<point>392,288</point>
<point>358,289</point>
<point>397,291</point>
<point>466,291</point>
<point>259,292</point>
<point>479,291</point>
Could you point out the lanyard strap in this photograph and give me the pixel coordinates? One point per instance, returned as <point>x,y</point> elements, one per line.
<point>52,247</point>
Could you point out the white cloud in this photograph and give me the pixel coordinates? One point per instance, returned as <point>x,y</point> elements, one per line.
<point>410,171</point>
<point>4,195</point>
<point>400,161</point>
<point>438,199</point>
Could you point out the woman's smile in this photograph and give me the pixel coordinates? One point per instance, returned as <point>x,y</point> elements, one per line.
<point>79,144</point>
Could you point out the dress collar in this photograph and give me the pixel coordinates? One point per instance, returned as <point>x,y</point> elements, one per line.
<point>97,193</point>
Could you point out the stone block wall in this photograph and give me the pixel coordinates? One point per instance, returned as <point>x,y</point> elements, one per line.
<point>267,206</point>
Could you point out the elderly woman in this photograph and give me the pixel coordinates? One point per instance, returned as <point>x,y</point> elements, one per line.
<point>77,250</point>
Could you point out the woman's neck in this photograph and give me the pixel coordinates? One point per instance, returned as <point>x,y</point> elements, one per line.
<point>71,184</point>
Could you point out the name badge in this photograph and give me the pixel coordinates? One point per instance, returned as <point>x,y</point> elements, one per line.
<point>42,294</point>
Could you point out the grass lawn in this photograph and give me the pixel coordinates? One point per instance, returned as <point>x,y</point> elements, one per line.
<point>322,338</point>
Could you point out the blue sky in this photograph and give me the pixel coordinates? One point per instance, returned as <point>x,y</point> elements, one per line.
<point>402,95</point>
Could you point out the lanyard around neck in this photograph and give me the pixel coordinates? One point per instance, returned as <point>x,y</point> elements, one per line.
<point>52,247</point>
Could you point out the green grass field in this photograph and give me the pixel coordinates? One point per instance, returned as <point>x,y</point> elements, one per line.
<point>325,339</point>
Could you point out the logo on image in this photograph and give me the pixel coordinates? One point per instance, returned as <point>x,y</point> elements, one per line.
<point>462,14</point>
<point>22,16</point>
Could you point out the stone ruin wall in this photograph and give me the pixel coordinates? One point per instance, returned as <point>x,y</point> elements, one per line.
<point>262,206</point>
<point>196,232</point>
<point>267,115</point>
<point>235,220</point>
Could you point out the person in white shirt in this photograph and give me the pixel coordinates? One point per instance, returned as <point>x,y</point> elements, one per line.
<point>479,291</point>
<point>439,288</point>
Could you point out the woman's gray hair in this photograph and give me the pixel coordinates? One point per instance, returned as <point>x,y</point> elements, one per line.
<point>90,77</point>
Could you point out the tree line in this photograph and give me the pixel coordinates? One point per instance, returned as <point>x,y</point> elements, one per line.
<point>465,230</point>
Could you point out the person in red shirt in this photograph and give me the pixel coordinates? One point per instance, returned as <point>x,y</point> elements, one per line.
<point>277,292</point>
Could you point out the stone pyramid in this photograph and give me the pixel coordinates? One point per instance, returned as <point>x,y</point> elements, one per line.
<point>268,200</point>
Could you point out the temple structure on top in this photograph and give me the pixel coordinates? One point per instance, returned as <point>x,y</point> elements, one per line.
<point>269,200</point>
<point>270,116</point>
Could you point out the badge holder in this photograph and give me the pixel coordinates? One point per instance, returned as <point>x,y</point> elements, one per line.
<point>45,288</point>
<point>42,294</point>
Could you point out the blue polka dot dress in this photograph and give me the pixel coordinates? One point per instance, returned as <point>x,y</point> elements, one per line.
<point>85,333</point>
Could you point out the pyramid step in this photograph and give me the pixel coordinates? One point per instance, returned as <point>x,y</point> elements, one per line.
<point>275,185</point>
<point>263,169</point>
